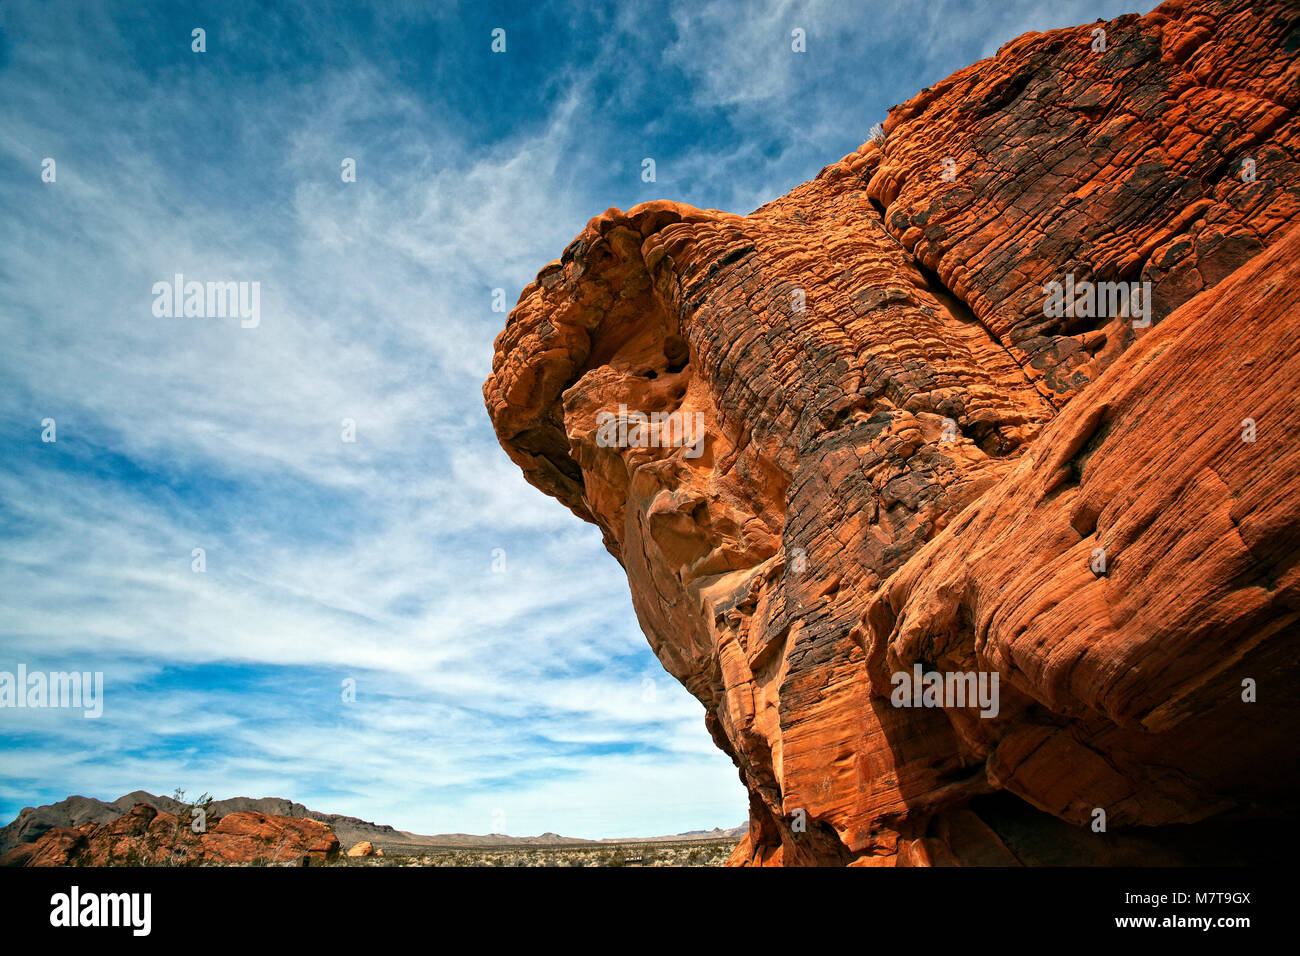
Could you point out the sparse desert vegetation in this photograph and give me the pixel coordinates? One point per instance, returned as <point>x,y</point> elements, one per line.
<point>692,853</point>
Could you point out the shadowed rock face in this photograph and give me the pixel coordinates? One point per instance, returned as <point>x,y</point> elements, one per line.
<point>905,461</point>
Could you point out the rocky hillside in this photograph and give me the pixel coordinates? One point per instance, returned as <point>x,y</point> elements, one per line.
<point>1010,392</point>
<point>145,836</point>
<point>32,822</point>
<point>89,817</point>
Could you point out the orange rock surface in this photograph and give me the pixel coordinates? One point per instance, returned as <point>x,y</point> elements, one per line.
<point>148,837</point>
<point>907,461</point>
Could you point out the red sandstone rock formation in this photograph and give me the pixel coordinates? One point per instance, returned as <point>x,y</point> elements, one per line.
<point>906,461</point>
<point>148,837</point>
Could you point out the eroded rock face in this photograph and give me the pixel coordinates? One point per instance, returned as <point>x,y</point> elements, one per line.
<point>906,461</point>
<point>148,837</point>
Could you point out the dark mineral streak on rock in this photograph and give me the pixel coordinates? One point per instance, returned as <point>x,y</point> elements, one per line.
<point>907,462</point>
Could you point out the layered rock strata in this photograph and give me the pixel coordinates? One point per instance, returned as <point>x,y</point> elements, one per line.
<point>909,457</point>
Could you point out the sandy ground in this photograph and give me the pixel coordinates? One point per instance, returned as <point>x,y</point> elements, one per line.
<point>694,853</point>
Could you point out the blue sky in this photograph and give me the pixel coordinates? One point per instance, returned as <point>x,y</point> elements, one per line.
<point>522,699</point>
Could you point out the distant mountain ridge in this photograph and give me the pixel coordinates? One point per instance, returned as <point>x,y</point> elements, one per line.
<point>32,822</point>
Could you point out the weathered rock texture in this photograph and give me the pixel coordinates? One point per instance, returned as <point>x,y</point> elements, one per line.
<point>72,812</point>
<point>834,532</point>
<point>148,837</point>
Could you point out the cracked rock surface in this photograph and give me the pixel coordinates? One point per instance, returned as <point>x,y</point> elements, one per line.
<point>905,461</point>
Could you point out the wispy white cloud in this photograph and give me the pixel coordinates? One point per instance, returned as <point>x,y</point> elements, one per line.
<point>523,690</point>
<point>324,559</point>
